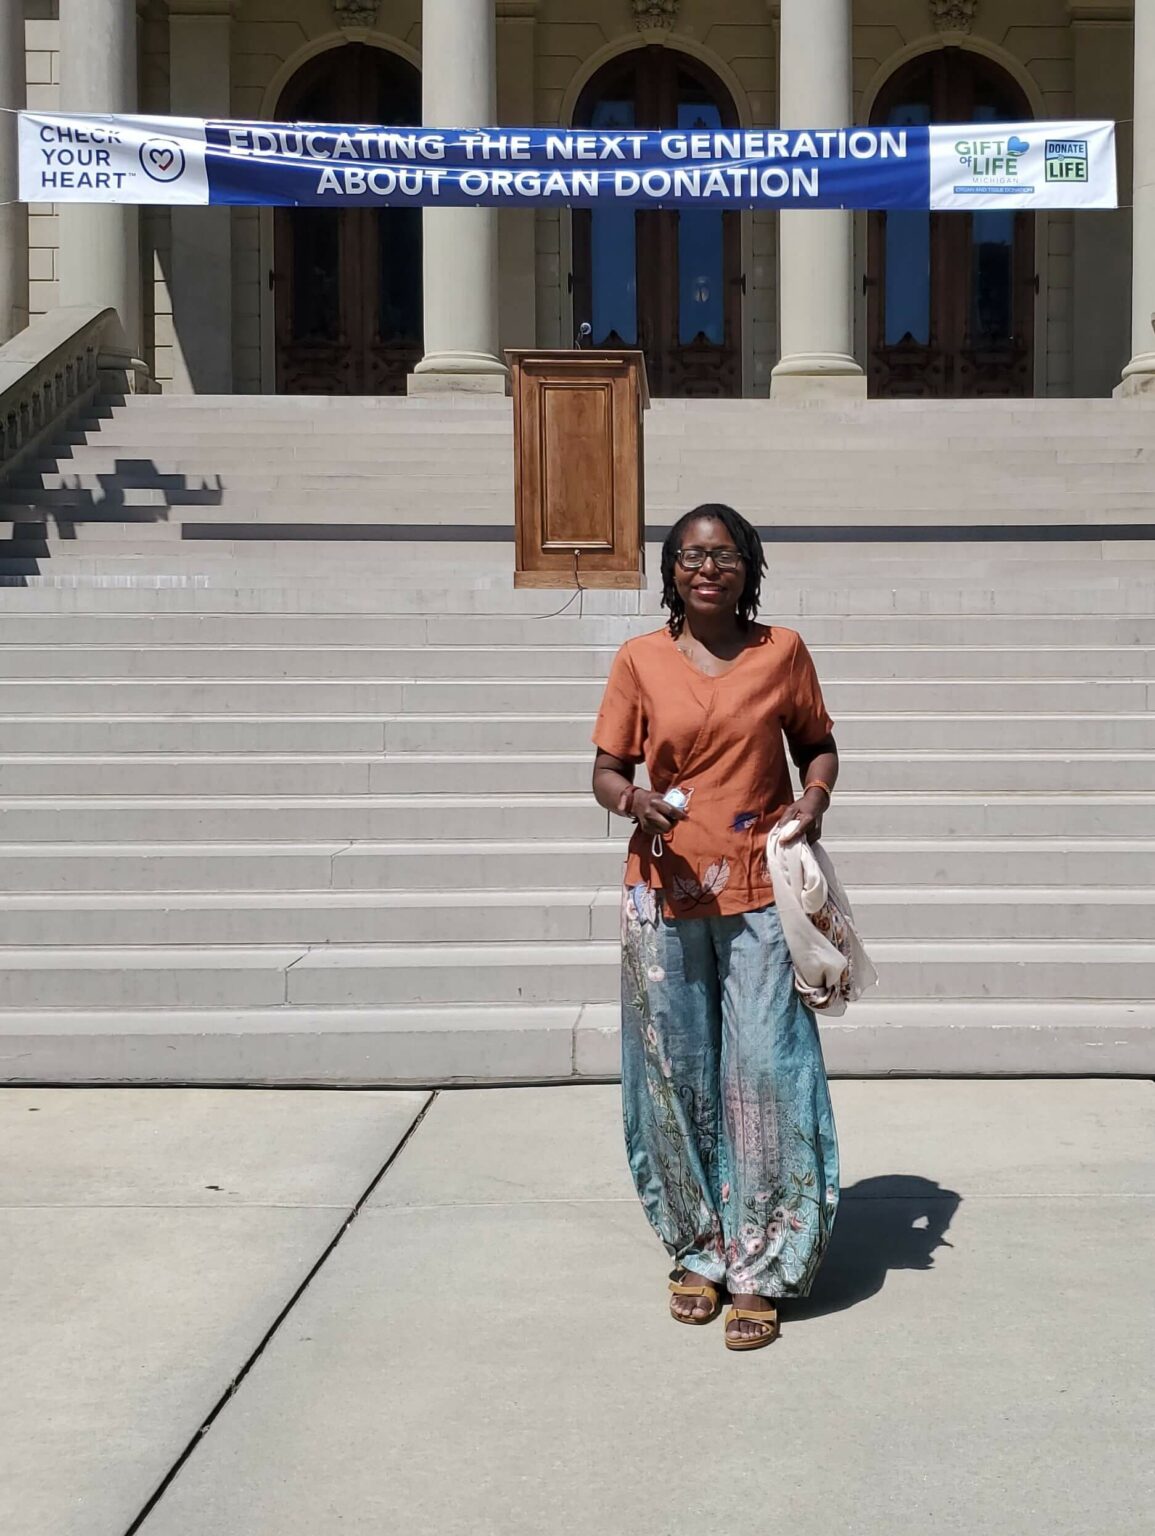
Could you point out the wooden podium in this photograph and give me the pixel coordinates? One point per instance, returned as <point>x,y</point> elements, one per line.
<point>579,473</point>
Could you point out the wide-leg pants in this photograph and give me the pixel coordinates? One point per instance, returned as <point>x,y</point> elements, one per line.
<point>729,1129</point>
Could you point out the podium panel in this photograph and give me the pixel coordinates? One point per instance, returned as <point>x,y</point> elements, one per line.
<point>579,472</point>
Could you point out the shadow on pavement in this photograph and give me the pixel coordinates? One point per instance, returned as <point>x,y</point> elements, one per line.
<point>896,1221</point>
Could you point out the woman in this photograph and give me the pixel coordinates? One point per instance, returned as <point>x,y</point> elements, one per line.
<point>729,1129</point>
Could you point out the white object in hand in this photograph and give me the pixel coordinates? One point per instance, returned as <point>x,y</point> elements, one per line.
<point>677,800</point>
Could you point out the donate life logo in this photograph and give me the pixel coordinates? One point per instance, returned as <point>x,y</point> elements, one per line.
<point>162,159</point>
<point>1067,160</point>
<point>993,164</point>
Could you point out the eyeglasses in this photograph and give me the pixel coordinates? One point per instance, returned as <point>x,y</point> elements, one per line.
<point>724,559</point>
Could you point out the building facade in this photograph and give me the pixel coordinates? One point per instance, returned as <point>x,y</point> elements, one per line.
<point>724,304</point>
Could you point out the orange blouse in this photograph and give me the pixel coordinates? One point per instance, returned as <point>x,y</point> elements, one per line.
<point>722,740</point>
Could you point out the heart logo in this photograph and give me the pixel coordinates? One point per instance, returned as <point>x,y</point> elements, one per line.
<point>1017,146</point>
<point>162,159</point>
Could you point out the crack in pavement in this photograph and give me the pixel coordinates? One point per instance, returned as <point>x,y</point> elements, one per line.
<point>274,1328</point>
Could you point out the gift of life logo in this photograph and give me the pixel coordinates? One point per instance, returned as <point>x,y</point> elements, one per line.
<point>992,160</point>
<point>1067,160</point>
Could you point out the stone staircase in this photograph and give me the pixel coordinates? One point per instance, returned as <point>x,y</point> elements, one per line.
<point>294,787</point>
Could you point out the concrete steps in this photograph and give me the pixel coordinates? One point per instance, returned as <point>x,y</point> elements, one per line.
<point>119,626</point>
<point>145,774</point>
<point>1122,495</point>
<point>519,974</point>
<point>1121,591</point>
<point>512,864</point>
<point>520,696</point>
<point>518,735</point>
<point>478,1044</point>
<point>120,496</point>
<point>512,664</point>
<point>451,818</point>
<point>309,918</point>
<point>296,810</point>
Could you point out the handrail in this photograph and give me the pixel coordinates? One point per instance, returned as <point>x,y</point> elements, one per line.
<point>54,368</point>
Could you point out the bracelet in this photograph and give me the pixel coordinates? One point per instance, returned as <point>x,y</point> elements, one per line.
<point>626,803</point>
<point>823,786</point>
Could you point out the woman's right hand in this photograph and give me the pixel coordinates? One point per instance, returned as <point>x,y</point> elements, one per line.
<point>653,814</point>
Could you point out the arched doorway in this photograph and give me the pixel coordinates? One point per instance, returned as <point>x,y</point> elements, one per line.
<point>348,283</point>
<point>951,296</point>
<point>667,281</point>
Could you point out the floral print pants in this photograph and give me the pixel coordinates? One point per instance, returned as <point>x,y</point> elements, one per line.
<point>729,1130</point>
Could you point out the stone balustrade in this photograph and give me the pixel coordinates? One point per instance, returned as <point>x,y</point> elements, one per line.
<point>53,369</point>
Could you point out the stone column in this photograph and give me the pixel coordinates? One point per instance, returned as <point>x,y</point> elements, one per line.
<point>1139,374</point>
<point>458,62</point>
<point>517,239</point>
<point>815,261</point>
<point>14,217</point>
<point>200,268</point>
<point>100,242</point>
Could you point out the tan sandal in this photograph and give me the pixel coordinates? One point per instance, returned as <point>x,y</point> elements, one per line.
<point>704,1288</point>
<point>768,1320</point>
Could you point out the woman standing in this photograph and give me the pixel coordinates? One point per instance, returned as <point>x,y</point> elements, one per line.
<point>729,1129</point>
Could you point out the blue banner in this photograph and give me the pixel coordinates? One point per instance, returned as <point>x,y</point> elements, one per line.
<point>758,168</point>
<point>72,158</point>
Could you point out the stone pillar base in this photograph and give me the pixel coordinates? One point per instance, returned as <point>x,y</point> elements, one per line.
<point>817,377</point>
<point>459,372</point>
<point>1138,378</point>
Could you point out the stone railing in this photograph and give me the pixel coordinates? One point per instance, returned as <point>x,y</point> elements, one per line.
<point>55,368</point>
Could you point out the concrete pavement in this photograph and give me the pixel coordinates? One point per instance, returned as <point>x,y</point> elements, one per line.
<point>482,1348</point>
<point>150,1239</point>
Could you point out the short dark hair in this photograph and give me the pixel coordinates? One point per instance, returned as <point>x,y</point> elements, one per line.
<point>749,546</point>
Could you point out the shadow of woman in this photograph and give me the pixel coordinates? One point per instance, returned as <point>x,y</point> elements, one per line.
<point>896,1221</point>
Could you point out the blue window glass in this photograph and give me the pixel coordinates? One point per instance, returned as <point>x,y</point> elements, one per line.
<point>908,255</point>
<point>992,277</point>
<point>316,237</point>
<point>907,276</point>
<point>992,265</point>
<point>399,308</point>
<point>701,249</point>
<point>614,248</point>
<point>701,277</point>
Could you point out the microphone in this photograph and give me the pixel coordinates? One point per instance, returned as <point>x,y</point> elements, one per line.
<point>585,331</point>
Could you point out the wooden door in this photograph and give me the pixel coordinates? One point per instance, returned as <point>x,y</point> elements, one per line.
<point>348,282</point>
<point>951,296</point>
<point>669,282</point>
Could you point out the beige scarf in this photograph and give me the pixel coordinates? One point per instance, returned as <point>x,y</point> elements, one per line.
<point>831,968</point>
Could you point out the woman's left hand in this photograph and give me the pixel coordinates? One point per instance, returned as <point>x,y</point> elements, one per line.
<point>808,813</point>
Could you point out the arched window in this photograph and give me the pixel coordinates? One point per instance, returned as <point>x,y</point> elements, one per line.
<point>951,295</point>
<point>667,281</point>
<point>348,281</point>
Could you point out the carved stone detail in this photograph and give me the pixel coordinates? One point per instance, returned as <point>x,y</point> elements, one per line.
<point>953,15</point>
<point>360,14</point>
<point>655,13</point>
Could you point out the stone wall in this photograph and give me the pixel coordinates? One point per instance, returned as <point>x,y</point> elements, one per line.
<point>546,53</point>
<point>571,39</point>
<point>42,73</point>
